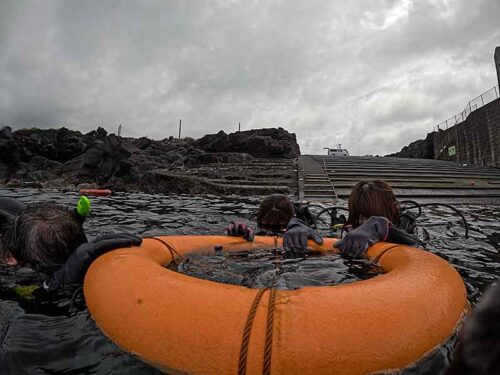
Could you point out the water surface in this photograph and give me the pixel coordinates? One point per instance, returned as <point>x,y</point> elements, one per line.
<point>54,334</point>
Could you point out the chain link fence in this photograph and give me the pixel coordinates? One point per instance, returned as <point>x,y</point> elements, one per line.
<point>478,102</point>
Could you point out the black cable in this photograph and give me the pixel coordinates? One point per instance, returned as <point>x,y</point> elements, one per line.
<point>329,209</point>
<point>466,225</point>
<point>317,205</point>
<point>415,205</point>
<point>419,206</point>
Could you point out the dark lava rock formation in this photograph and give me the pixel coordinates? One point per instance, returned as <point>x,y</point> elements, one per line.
<point>262,143</point>
<point>421,149</point>
<point>239,163</point>
<point>9,154</point>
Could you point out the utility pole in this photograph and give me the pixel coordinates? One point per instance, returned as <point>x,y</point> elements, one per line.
<point>180,127</point>
<point>239,126</point>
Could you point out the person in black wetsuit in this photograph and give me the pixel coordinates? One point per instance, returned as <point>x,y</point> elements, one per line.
<point>477,351</point>
<point>277,214</point>
<point>50,237</point>
<point>42,234</point>
<point>374,216</point>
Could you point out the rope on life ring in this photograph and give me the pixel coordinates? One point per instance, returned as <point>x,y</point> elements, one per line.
<point>242,369</point>
<point>268,348</point>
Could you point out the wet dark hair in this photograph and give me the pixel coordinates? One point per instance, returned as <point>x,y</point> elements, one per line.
<point>372,198</point>
<point>275,211</point>
<point>47,235</point>
<point>478,349</point>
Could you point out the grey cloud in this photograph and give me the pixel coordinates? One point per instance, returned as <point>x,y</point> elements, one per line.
<point>325,70</point>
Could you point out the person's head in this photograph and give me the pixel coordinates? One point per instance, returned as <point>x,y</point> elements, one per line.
<point>275,211</point>
<point>47,234</point>
<point>478,349</point>
<point>372,198</point>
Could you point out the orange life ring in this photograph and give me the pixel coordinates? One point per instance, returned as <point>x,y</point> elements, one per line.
<point>95,192</point>
<point>185,325</point>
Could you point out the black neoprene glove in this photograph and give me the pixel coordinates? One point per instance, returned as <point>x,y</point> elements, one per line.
<point>240,229</point>
<point>296,236</point>
<point>357,241</point>
<point>73,271</point>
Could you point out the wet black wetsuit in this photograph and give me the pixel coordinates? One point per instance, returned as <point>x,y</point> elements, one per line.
<point>10,210</point>
<point>401,236</point>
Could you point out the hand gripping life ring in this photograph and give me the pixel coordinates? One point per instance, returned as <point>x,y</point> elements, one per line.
<point>184,325</point>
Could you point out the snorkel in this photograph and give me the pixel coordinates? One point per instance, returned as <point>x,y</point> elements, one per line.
<point>82,209</point>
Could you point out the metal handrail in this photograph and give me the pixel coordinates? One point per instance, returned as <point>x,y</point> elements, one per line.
<point>479,101</point>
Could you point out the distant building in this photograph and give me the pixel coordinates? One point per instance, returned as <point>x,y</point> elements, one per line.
<point>339,151</point>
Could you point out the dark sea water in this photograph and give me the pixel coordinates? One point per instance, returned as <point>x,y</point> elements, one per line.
<point>54,334</point>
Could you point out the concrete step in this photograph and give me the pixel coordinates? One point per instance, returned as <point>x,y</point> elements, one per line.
<point>412,172</point>
<point>436,192</point>
<point>407,165</point>
<point>315,175</point>
<point>317,187</point>
<point>388,160</point>
<point>410,178</point>
<point>351,183</point>
<point>366,175</point>
<point>451,185</point>
<point>349,179</point>
<point>254,182</point>
<point>319,191</point>
<point>268,164</point>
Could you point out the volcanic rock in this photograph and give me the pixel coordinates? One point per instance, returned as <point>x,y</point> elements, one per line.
<point>260,143</point>
<point>63,158</point>
<point>9,154</point>
<point>105,160</point>
<point>55,144</point>
<point>421,149</point>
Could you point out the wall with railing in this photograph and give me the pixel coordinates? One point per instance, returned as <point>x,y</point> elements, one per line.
<point>475,140</point>
<point>478,102</point>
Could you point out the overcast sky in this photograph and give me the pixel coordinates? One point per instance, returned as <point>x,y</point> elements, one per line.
<point>372,75</point>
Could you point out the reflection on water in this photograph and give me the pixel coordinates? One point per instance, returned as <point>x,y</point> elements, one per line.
<point>53,334</point>
<point>267,268</point>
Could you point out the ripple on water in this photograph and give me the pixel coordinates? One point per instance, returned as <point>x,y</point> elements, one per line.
<point>55,334</point>
<point>266,268</point>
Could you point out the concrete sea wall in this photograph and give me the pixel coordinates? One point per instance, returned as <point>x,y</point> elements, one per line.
<point>474,141</point>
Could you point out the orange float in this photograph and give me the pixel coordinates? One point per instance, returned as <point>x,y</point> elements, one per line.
<point>95,192</point>
<point>184,325</point>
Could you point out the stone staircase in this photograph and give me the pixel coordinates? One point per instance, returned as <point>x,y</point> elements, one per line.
<point>259,176</point>
<point>327,178</point>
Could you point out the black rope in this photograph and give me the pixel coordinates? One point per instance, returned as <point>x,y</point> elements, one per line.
<point>466,225</point>
<point>170,248</point>
<point>454,209</point>
<point>268,345</point>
